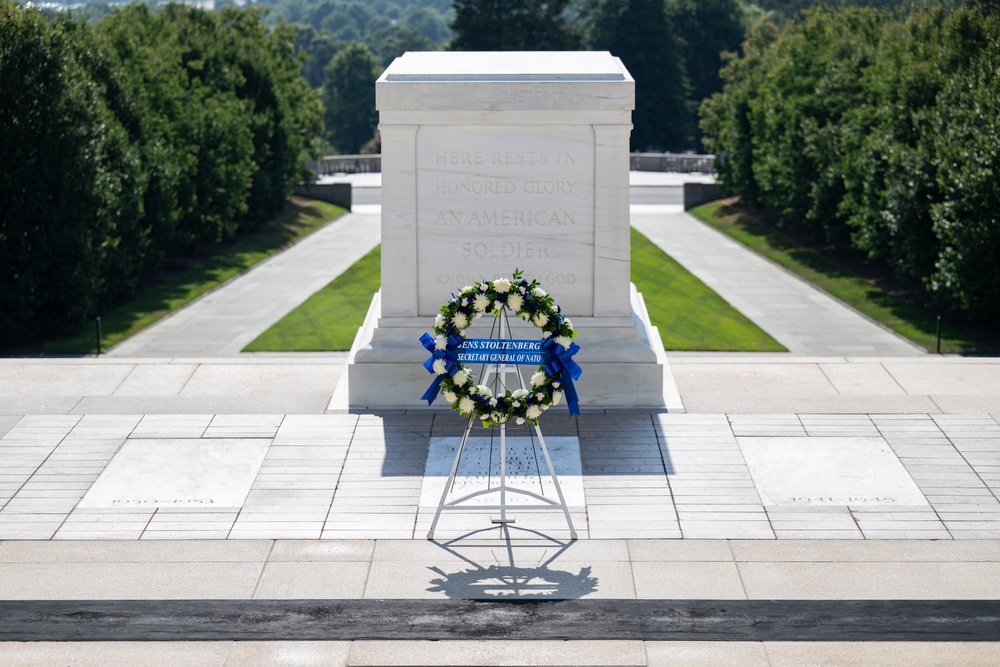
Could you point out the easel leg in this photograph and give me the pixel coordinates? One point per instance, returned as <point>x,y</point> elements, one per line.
<point>451,478</point>
<point>503,520</point>
<point>555,482</point>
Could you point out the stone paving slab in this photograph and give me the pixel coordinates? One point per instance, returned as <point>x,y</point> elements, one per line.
<point>482,567</point>
<point>471,653</point>
<point>342,476</point>
<point>302,383</point>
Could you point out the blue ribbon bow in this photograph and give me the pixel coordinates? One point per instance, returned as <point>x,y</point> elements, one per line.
<point>555,359</point>
<point>450,356</point>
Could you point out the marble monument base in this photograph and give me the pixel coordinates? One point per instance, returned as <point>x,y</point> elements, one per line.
<point>623,361</point>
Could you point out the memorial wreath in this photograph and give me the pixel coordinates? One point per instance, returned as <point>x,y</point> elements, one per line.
<point>555,375</point>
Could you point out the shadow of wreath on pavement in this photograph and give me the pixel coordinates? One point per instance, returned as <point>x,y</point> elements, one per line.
<point>511,581</point>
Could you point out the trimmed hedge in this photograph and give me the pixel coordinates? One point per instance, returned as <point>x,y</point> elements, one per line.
<point>153,134</point>
<point>863,126</point>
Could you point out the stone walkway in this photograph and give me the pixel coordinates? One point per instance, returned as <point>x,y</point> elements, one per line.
<point>224,321</point>
<point>801,317</point>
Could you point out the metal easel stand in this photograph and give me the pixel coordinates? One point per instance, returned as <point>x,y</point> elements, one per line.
<point>458,504</point>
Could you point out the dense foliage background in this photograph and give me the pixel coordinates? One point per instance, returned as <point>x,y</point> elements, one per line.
<point>876,128</point>
<point>153,134</point>
<point>136,133</point>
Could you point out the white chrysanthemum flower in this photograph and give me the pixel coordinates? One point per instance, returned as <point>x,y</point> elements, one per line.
<point>520,394</point>
<point>556,397</point>
<point>514,302</point>
<point>540,319</point>
<point>501,285</point>
<point>466,405</point>
<point>461,377</point>
<point>481,303</point>
<point>568,323</point>
<point>483,287</point>
<point>450,396</point>
<point>439,321</point>
<point>460,320</point>
<point>563,340</point>
<point>493,402</point>
<point>466,289</point>
<point>538,291</point>
<point>439,367</point>
<point>533,412</point>
<point>484,391</point>
<point>440,343</point>
<point>538,379</point>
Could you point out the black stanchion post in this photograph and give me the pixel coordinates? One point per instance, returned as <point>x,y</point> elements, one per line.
<point>939,334</point>
<point>98,325</point>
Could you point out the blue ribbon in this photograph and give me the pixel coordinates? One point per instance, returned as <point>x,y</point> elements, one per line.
<point>556,359</point>
<point>450,356</point>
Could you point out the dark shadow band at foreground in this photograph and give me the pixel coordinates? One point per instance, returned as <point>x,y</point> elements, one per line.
<point>691,620</point>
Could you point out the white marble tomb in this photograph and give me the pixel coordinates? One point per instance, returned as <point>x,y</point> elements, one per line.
<point>214,473</point>
<point>829,471</point>
<point>493,162</point>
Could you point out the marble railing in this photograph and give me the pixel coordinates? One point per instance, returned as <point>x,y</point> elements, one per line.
<point>347,164</point>
<point>667,162</point>
<point>680,163</point>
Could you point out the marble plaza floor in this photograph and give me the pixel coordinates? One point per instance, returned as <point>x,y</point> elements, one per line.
<point>180,503</point>
<point>219,512</point>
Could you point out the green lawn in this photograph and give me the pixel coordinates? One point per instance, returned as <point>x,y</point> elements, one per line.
<point>178,288</point>
<point>689,315</point>
<point>908,320</point>
<point>330,318</point>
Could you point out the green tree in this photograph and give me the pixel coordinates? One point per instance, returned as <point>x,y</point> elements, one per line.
<point>726,117</point>
<point>643,35</point>
<point>812,79</point>
<point>513,25</point>
<point>709,28</point>
<point>349,97</point>
<point>888,124</point>
<point>70,174</point>
<point>965,126</point>
<point>317,48</point>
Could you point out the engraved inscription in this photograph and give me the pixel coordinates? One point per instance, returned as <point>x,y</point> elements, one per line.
<point>492,199</point>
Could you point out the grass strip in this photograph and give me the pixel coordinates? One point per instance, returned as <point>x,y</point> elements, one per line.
<point>909,320</point>
<point>330,318</point>
<point>689,314</point>
<point>178,288</point>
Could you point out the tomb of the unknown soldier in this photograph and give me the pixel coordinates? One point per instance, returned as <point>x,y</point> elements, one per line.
<point>493,162</point>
